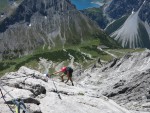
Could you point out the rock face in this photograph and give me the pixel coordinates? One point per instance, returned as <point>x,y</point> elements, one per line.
<point>127,21</point>
<point>131,26</point>
<point>125,80</point>
<point>119,8</point>
<point>37,23</point>
<point>41,96</point>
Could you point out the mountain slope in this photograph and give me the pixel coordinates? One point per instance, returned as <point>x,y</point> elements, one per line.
<point>119,8</point>
<point>97,15</point>
<point>47,23</point>
<point>128,21</point>
<point>48,95</point>
<point>125,80</point>
<point>129,34</point>
<point>134,32</point>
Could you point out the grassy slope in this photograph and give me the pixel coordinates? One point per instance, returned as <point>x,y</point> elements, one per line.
<point>57,55</point>
<point>97,15</point>
<point>144,35</point>
<point>3,5</point>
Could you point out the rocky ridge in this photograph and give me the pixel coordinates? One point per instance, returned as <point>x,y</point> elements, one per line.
<point>40,95</point>
<point>119,8</point>
<point>124,80</point>
<point>134,31</point>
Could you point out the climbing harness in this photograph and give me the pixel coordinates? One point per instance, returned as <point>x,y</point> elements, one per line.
<point>16,102</point>
<point>18,109</point>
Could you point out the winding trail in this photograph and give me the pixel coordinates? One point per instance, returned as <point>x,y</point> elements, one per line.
<point>114,56</point>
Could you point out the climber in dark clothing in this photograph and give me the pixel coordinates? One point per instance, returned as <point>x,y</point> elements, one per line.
<point>66,71</point>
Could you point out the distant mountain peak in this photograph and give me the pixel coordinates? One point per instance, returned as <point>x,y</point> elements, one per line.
<point>131,23</point>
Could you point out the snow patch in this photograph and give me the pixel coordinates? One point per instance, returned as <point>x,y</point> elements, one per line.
<point>30,25</point>
<point>98,3</point>
<point>45,17</point>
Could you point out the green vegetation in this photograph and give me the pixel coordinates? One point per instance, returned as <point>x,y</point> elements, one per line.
<point>74,46</point>
<point>144,35</point>
<point>58,55</point>
<point>97,15</point>
<point>115,25</point>
<point>3,5</point>
<point>80,93</point>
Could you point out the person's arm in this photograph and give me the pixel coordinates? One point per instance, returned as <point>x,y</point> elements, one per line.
<point>49,75</point>
<point>56,72</point>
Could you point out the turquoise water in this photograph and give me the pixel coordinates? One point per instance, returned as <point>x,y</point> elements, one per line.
<point>84,4</point>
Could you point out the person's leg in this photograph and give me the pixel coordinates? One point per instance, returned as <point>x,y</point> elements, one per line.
<point>67,78</point>
<point>62,79</point>
<point>71,81</point>
<point>70,78</point>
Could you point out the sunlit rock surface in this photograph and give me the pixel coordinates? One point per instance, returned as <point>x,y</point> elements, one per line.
<point>125,80</point>
<point>41,96</point>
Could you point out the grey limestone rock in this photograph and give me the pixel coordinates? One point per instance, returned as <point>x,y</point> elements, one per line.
<point>74,99</point>
<point>126,82</point>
